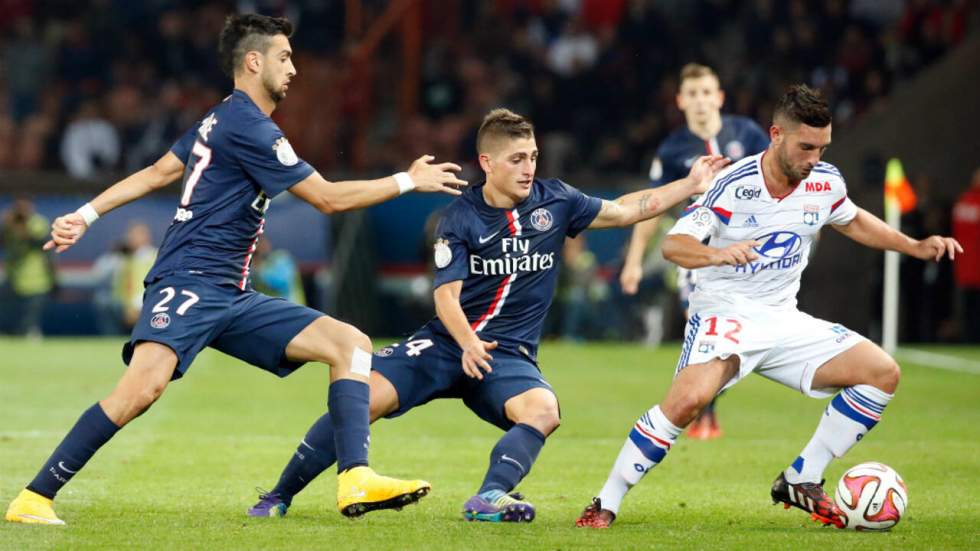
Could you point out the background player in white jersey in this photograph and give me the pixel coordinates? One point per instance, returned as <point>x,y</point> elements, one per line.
<point>759,219</point>
<point>700,98</point>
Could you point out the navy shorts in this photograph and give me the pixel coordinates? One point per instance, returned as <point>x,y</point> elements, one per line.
<point>427,366</point>
<point>188,312</point>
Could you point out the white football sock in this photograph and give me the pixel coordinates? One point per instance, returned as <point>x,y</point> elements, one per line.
<point>849,416</point>
<point>646,446</point>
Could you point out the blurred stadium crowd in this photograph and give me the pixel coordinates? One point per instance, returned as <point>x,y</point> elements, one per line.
<point>98,88</point>
<point>106,85</point>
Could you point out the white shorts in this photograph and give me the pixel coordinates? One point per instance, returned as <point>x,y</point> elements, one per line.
<point>786,346</point>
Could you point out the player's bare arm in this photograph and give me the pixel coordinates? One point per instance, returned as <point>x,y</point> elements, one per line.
<point>869,230</point>
<point>476,352</point>
<point>629,279</point>
<point>643,205</point>
<point>687,252</point>
<point>330,197</point>
<point>66,230</point>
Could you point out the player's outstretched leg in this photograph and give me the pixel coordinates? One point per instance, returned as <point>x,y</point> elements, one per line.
<point>654,433</point>
<point>141,384</point>
<point>535,412</point>
<point>347,351</point>
<point>868,378</point>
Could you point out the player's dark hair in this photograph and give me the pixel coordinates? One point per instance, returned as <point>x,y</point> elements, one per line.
<point>248,32</point>
<point>802,104</point>
<point>502,123</point>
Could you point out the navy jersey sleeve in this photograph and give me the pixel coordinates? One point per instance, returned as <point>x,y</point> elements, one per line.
<point>451,250</point>
<point>757,140</point>
<point>265,154</point>
<point>582,210</point>
<point>667,166</point>
<point>182,147</point>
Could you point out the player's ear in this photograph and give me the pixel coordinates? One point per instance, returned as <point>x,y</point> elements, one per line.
<point>485,163</point>
<point>775,133</point>
<point>253,61</point>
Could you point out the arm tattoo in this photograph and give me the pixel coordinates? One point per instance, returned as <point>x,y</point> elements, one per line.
<point>647,204</point>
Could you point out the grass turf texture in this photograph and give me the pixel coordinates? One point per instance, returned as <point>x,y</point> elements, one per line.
<point>182,476</point>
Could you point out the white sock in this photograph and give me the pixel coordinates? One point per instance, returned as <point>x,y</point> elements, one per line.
<point>646,446</point>
<point>848,417</point>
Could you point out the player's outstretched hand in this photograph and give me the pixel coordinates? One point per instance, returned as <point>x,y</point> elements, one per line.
<point>736,254</point>
<point>935,247</point>
<point>66,231</point>
<point>704,170</point>
<point>630,277</point>
<point>477,356</point>
<point>436,177</point>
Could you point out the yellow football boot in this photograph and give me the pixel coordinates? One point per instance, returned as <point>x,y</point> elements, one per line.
<point>32,508</point>
<point>361,490</point>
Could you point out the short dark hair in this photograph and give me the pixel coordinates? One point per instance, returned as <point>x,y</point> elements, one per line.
<point>500,123</point>
<point>802,104</point>
<point>246,32</point>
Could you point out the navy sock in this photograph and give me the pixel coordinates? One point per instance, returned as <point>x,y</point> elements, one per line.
<point>91,431</point>
<point>512,457</point>
<point>313,455</point>
<point>349,401</point>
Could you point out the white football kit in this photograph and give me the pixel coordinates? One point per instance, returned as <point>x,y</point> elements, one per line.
<point>750,311</point>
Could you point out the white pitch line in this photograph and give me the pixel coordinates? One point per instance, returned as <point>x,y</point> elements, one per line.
<point>940,361</point>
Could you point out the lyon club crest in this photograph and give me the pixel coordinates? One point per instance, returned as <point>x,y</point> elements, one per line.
<point>811,215</point>
<point>542,220</point>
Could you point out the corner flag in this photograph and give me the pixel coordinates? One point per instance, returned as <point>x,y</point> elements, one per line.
<point>899,199</point>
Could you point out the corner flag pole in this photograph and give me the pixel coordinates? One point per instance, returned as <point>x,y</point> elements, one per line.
<point>899,199</point>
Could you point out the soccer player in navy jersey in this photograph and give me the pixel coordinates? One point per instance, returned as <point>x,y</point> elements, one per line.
<point>706,131</point>
<point>232,163</point>
<point>496,264</point>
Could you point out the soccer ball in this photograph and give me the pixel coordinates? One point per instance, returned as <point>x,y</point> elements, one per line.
<point>872,496</point>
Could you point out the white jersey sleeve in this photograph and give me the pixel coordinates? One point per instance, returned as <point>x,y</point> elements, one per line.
<point>710,212</point>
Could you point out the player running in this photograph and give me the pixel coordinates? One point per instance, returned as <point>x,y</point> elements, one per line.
<point>759,219</point>
<point>496,263</point>
<point>197,294</point>
<point>707,131</point>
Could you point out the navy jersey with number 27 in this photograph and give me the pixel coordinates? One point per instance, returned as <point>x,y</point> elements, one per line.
<point>236,159</point>
<point>508,258</point>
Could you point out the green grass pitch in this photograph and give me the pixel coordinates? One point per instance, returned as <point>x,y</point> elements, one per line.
<point>183,475</point>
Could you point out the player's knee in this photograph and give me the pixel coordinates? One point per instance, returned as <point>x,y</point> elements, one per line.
<point>547,419</point>
<point>543,415</point>
<point>691,403</point>
<point>147,394</point>
<point>887,375</point>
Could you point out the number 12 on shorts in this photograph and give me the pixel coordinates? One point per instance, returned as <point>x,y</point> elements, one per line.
<point>733,327</point>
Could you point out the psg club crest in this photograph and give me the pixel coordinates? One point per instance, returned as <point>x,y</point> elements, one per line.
<point>443,255</point>
<point>542,220</point>
<point>385,352</point>
<point>735,150</point>
<point>811,215</point>
<point>160,321</point>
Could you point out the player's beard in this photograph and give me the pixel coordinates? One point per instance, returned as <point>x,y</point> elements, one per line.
<point>275,91</point>
<point>787,167</point>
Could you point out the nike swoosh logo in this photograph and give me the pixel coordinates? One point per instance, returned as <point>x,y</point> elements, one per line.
<point>64,468</point>
<point>488,238</point>
<point>509,459</point>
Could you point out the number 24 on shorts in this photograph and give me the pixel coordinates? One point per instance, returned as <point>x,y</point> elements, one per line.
<point>734,327</point>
